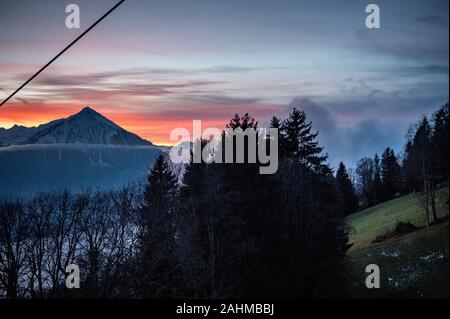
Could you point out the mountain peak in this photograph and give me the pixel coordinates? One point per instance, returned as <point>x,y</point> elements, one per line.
<point>88,111</point>
<point>86,127</point>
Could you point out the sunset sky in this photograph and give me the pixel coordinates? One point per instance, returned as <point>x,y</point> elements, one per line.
<point>152,66</point>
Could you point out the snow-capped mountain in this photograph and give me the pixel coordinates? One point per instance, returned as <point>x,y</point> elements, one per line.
<point>85,127</point>
<point>85,150</point>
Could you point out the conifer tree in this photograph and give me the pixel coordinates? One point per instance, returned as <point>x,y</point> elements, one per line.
<point>278,124</point>
<point>390,173</point>
<point>365,169</point>
<point>346,194</point>
<point>301,142</point>
<point>419,160</point>
<point>439,144</point>
<point>156,267</point>
<point>275,122</point>
<point>378,190</point>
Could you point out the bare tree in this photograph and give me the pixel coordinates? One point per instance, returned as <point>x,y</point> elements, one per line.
<point>14,233</point>
<point>64,237</point>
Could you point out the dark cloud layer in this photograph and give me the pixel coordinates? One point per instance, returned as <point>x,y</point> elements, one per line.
<point>348,143</point>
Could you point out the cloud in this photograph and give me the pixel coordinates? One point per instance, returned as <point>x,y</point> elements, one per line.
<point>24,101</point>
<point>435,69</point>
<point>404,44</point>
<point>366,132</point>
<point>87,88</point>
<point>66,79</point>
<point>369,137</point>
<point>224,99</point>
<point>179,84</point>
<point>434,20</point>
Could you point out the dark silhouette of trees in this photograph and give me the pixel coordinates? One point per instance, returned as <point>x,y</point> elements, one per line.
<point>155,261</point>
<point>379,181</point>
<point>365,170</point>
<point>390,174</point>
<point>410,178</point>
<point>423,166</point>
<point>440,144</point>
<point>420,165</point>
<point>14,234</point>
<point>425,161</point>
<point>300,142</point>
<point>379,192</point>
<point>270,234</point>
<point>346,193</point>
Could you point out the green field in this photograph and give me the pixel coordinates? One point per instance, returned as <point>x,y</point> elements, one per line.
<point>414,265</point>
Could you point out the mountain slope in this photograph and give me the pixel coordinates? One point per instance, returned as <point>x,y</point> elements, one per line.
<point>85,127</point>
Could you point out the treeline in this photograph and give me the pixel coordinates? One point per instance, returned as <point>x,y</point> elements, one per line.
<point>421,167</point>
<point>378,180</point>
<point>224,231</point>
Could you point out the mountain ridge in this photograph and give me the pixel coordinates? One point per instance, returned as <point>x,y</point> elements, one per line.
<point>85,127</point>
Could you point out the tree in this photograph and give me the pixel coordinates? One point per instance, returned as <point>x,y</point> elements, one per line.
<point>390,173</point>
<point>14,233</point>
<point>422,157</point>
<point>411,181</point>
<point>308,207</point>
<point>265,238</point>
<point>97,221</point>
<point>156,269</point>
<point>275,122</point>
<point>64,233</point>
<point>301,143</point>
<point>346,194</point>
<point>379,194</point>
<point>210,234</point>
<point>366,170</point>
<point>278,124</point>
<point>439,144</point>
<point>39,214</point>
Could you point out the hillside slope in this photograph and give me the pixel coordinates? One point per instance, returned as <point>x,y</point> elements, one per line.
<point>367,224</point>
<point>414,265</point>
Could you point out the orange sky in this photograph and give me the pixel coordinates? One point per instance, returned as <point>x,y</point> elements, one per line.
<point>153,127</point>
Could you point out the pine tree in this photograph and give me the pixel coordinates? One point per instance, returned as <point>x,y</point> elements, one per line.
<point>275,122</point>
<point>390,173</point>
<point>160,188</point>
<point>411,181</point>
<point>244,122</point>
<point>365,170</point>
<point>278,124</point>
<point>378,190</point>
<point>439,144</point>
<point>301,143</point>
<point>346,194</point>
<point>157,234</point>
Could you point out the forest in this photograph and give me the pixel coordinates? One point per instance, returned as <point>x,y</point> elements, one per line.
<point>221,230</point>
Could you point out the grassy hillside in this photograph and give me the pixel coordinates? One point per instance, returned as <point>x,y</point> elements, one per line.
<point>367,224</point>
<point>414,265</point>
